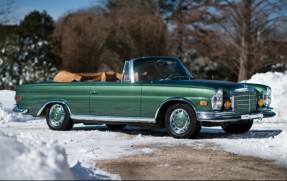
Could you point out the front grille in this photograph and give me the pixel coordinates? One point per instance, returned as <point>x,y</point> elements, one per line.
<point>244,101</point>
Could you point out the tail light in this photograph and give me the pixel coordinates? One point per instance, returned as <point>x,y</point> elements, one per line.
<point>18,98</point>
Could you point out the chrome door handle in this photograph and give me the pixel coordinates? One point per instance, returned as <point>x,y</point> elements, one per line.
<point>94,92</point>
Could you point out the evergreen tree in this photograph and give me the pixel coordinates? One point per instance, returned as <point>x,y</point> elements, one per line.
<point>29,56</point>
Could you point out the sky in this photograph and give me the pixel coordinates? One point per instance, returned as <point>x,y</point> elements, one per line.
<point>55,8</point>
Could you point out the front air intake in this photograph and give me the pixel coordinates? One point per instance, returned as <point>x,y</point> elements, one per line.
<point>244,101</point>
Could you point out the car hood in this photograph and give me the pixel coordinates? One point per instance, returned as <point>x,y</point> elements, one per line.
<point>226,85</point>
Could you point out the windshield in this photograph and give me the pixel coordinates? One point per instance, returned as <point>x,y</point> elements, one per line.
<point>160,68</point>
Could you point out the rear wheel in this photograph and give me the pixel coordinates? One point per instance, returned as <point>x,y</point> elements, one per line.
<point>115,126</point>
<point>236,128</point>
<point>180,121</point>
<point>58,117</point>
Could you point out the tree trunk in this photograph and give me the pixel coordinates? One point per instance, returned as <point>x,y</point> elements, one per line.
<point>245,41</point>
<point>243,61</point>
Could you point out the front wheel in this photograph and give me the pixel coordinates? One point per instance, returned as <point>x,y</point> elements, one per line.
<point>58,117</point>
<point>180,121</point>
<point>236,128</point>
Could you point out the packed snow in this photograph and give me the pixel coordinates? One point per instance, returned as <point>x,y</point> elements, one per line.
<point>26,157</point>
<point>278,83</point>
<point>29,150</point>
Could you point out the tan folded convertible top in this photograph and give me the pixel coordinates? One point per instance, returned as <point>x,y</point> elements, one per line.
<point>66,76</point>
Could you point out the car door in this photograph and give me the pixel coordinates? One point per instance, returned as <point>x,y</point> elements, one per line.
<point>118,99</point>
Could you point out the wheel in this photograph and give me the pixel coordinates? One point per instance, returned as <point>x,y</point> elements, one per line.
<point>115,126</point>
<point>58,117</point>
<point>180,121</point>
<point>235,128</point>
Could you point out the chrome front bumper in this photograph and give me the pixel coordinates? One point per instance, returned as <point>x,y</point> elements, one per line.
<point>19,110</point>
<point>230,116</point>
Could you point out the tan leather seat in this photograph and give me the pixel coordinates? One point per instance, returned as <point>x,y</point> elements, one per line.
<point>141,77</point>
<point>109,77</point>
<point>65,76</point>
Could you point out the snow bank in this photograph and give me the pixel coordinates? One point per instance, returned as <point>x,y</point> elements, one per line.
<point>27,158</point>
<point>7,116</point>
<point>7,98</point>
<point>6,104</point>
<point>278,83</point>
<point>271,146</point>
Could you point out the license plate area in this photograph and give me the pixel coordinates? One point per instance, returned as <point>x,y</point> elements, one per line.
<point>252,116</point>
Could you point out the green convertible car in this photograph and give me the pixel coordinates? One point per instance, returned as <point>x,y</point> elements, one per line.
<point>153,92</point>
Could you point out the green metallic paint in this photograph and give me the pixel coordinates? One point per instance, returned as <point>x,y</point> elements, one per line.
<point>259,87</point>
<point>179,121</point>
<point>116,99</point>
<point>56,115</point>
<point>154,94</point>
<point>122,99</point>
<point>35,96</point>
<point>137,101</point>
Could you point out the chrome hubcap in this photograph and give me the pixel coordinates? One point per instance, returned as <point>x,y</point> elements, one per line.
<point>179,121</point>
<point>56,115</point>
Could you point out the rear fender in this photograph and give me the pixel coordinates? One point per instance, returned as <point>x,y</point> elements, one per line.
<point>49,103</point>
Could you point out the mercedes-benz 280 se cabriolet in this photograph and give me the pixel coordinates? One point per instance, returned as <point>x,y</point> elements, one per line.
<point>152,92</point>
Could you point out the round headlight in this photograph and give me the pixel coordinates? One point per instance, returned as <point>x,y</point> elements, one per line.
<point>267,97</point>
<point>217,100</point>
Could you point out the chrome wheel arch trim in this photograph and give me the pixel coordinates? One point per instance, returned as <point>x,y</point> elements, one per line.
<point>53,102</point>
<point>175,99</point>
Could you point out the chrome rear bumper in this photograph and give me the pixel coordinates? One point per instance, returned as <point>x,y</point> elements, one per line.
<point>19,110</point>
<point>230,116</point>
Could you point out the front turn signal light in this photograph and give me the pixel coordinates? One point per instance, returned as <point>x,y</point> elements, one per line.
<point>261,102</point>
<point>227,104</point>
<point>203,103</point>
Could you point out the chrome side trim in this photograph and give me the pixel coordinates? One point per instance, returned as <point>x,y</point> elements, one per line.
<point>112,119</point>
<point>174,99</point>
<point>53,102</point>
<point>19,110</point>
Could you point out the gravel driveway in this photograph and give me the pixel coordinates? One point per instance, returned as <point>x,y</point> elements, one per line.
<point>186,163</point>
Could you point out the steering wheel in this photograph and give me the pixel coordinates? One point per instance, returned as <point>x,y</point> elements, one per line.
<point>174,75</point>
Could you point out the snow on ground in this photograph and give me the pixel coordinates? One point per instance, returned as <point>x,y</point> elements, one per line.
<point>30,150</point>
<point>25,157</point>
<point>278,83</point>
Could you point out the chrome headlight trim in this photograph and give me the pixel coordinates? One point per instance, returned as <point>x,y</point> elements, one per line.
<point>267,97</point>
<point>217,100</point>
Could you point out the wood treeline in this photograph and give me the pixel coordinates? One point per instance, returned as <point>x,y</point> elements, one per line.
<point>229,39</point>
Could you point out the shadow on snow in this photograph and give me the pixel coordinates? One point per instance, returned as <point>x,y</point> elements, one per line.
<point>205,133</point>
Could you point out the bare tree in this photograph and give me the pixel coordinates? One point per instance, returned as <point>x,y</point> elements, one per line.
<point>88,39</point>
<point>81,36</point>
<point>7,11</point>
<point>186,20</point>
<point>246,25</point>
<point>235,34</point>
